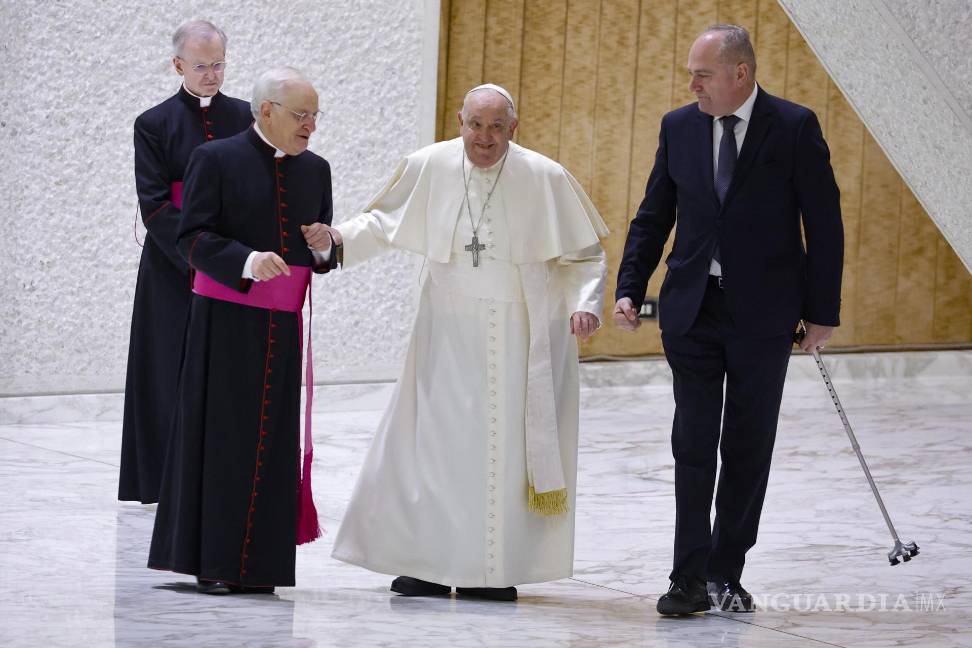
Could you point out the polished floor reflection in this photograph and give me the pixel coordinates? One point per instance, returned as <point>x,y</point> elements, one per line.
<point>72,558</point>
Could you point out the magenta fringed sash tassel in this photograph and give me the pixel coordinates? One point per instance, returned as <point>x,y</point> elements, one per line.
<point>308,527</point>
<point>285,294</point>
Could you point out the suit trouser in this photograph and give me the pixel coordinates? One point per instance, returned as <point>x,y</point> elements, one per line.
<point>712,353</point>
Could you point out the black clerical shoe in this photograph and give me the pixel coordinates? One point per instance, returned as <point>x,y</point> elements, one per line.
<point>490,593</point>
<point>408,586</point>
<point>729,596</point>
<point>251,589</point>
<point>207,586</point>
<point>685,596</point>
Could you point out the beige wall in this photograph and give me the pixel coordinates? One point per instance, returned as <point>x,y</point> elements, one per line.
<point>592,80</point>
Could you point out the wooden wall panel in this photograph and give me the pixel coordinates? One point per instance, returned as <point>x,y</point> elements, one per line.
<point>613,115</point>
<point>467,57</point>
<point>953,297</point>
<point>580,78</point>
<point>771,36</point>
<point>541,86</point>
<point>692,16</point>
<point>846,150</point>
<point>878,247</point>
<point>653,97</point>
<point>504,44</point>
<point>592,79</point>
<point>914,299</point>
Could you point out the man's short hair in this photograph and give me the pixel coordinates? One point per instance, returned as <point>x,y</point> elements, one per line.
<point>269,85</point>
<point>195,29</point>
<point>736,47</point>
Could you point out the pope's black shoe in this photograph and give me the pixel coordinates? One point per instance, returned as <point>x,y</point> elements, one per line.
<point>491,593</point>
<point>208,586</point>
<point>729,596</point>
<point>685,596</point>
<point>408,586</point>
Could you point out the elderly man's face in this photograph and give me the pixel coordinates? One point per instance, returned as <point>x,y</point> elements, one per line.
<point>720,87</point>
<point>201,62</point>
<point>486,127</point>
<point>289,119</point>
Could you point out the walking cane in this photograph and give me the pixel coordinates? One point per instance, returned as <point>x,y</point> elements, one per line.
<point>901,550</point>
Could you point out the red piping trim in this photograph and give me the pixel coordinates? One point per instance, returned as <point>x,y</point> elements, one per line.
<point>146,220</point>
<point>264,401</point>
<point>276,168</point>
<point>193,246</point>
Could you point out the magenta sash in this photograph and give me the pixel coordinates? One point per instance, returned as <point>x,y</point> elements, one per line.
<point>282,293</point>
<point>177,194</point>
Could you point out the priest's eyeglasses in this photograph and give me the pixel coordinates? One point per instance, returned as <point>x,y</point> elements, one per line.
<point>301,116</point>
<point>202,68</point>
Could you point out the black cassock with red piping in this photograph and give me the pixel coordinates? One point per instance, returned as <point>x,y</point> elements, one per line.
<point>228,503</point>
<point>165,136</point>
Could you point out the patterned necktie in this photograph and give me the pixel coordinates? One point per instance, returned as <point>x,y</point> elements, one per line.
<point>727,156</point>
<point>727,164</point>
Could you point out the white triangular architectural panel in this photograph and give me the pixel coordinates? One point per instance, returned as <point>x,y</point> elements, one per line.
<point>891,60</point>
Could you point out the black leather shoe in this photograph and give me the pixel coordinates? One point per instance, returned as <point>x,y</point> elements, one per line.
<point>408,586</point>
<point>207,586</point>
<point>729,596</point>
<point>251,589</point>
<point>491,593</point>
<point>685,596</point>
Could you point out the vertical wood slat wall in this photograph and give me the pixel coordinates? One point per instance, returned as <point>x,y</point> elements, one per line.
<point>592,79</point>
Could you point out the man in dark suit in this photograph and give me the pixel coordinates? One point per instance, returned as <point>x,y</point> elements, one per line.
<point>738,173</point>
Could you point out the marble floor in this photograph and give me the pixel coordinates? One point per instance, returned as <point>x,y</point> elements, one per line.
<point>72,558</point>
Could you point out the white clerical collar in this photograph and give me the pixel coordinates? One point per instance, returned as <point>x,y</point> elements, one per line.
<point>745,111</point>
<point>259,132</point>
<point>203,101</point>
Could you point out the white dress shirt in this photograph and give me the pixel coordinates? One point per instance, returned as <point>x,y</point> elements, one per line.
<point>744,113</point>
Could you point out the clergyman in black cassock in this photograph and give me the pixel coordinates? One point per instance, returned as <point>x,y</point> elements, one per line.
<point>228,503</point>
<point>165,136</point>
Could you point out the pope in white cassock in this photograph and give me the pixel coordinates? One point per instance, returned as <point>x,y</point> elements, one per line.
<point>470,480</point>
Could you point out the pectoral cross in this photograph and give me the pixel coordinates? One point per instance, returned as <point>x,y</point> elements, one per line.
<point>475,248</point>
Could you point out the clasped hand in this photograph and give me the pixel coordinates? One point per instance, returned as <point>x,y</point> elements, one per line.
<point>583,324</point>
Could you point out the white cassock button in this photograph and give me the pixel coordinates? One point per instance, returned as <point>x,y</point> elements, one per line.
<point>492,447</point>
<point>490,570</point>
<point>492,339</point>
<point>492,515</point>
<point>492,501</point>
<point>492,406</point>
<point>492,461</point>
<point>491,488</point>
<point>492,393</point>
<point>490,555</point>
<point>491,529</point>
<point>492,420</point>
<point>491,544</point>
<point>492,325</point>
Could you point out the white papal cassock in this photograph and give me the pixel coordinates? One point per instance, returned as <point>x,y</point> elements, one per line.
<point>442,494</point>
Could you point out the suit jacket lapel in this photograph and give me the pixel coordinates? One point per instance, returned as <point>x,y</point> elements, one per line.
<point>704,147</point>
<point>759,125</point>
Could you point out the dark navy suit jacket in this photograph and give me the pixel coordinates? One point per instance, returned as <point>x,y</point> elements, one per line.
<point>782,176</point>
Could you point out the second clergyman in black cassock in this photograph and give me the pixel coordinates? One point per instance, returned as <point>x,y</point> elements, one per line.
<point>165,136</point>
<point>251,230</point>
